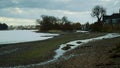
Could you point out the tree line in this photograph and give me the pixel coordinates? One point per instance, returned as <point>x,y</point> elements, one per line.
<point>47,23</point>
<point>3,26</point>
<point>54,23</point>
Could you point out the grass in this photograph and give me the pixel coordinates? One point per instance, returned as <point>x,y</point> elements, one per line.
<point>38,51</point>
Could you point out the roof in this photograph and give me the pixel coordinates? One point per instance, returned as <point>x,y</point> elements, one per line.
<point>113,16</point>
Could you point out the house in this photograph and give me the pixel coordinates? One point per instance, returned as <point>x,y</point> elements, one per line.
<point>113,19</point>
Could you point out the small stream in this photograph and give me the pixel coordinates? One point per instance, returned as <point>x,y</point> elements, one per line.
<point>59,52</point>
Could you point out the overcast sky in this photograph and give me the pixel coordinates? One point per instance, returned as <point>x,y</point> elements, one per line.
<point>25,12</point>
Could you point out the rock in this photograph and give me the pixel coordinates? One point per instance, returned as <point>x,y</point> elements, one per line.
<point>70,45</point>
<point>66,47</point>
<point>78,42</point>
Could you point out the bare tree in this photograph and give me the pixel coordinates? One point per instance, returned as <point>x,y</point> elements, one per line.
<point>98,12</point>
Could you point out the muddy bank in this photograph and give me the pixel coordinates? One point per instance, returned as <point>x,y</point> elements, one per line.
<point>38,51</point>
<point>94,54</point>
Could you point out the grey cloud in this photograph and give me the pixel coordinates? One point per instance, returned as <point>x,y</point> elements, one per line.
<point>72,5</point>
<point>32,9</point>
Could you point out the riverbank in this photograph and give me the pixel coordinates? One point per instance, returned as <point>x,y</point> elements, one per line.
<point>39,51</point>
<point>95,54</point>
